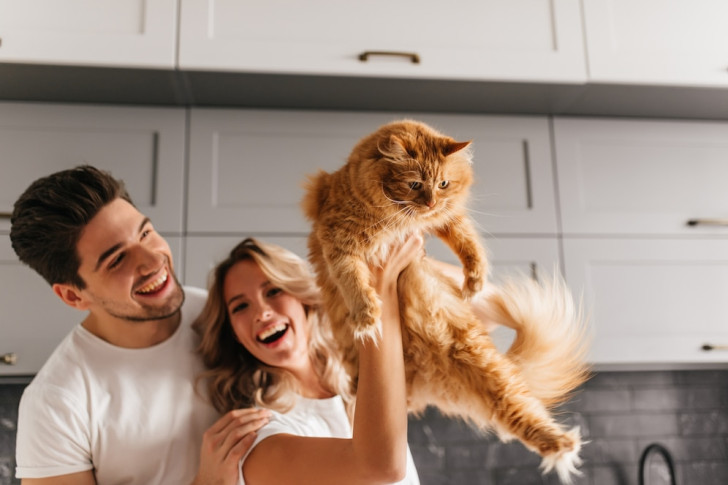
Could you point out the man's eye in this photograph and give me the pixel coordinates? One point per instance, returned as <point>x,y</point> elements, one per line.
<point>116,261</point>
<point>146,232</point>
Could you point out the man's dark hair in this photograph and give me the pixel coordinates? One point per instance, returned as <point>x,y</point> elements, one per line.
<point>50,215</point>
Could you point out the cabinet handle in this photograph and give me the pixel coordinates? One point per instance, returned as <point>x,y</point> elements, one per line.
<point>709,347</point>
<point>5,215</point>
<point>415,58</point>
<point>707,222</point>
<point>9,359</point>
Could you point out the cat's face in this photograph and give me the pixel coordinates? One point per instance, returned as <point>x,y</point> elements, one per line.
<point>424,174</point>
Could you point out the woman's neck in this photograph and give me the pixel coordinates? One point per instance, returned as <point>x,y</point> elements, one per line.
<point>311,385</point>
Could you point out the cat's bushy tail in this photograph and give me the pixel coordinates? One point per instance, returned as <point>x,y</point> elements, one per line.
<point>551,340</point>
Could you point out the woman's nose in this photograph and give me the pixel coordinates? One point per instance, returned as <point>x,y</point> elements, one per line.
<point>265,312</point>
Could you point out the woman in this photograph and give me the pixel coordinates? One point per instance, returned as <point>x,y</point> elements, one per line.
<point>265,345</point>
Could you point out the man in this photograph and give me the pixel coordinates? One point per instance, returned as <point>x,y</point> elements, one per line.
<point>117,401</point>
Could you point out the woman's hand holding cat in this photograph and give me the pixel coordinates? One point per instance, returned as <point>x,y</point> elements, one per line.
<point>225,443</point>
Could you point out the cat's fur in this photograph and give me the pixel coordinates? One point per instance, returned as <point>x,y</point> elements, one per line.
<point>407,177</point>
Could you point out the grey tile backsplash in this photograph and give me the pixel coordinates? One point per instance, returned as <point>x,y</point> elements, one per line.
<point>620,413</point>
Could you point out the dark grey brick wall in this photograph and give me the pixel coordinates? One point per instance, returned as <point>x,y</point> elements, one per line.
<point>620,413</point>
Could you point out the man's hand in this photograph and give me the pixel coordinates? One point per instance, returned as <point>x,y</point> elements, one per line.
<point>225,443</point>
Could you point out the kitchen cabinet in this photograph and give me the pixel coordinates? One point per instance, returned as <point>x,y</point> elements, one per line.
<point>642,177</point>
<point>34,320</point>
<point>114,33</point>
<point>652,301</point>
<point>142,146</point>
<point>247,167</point>
<point>655,42</point>
<point>643,209</point>
<point>500,40</point>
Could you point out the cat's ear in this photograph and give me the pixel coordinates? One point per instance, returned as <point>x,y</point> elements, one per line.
<point>397,149</point>
<point>455,146</point>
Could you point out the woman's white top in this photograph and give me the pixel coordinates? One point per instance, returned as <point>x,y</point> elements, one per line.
<point>320,418</point>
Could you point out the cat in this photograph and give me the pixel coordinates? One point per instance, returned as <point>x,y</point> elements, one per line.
<point>407,177</point>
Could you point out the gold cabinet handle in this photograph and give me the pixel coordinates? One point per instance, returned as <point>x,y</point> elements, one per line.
<point>707,222</point>
<point>9,359</point>
<point>709,347</point>
<point>413,57</point>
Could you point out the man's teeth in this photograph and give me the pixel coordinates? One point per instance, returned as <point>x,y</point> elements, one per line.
<point>272,330</point>
<point>154,285</point>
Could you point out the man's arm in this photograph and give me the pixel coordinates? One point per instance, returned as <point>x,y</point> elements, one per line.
<point>81,478</point>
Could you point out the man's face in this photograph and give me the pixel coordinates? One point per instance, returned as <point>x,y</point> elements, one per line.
<point>127,267</point>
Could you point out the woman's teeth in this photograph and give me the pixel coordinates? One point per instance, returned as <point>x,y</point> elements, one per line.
<point>272,333</point>
<point>154,285</point>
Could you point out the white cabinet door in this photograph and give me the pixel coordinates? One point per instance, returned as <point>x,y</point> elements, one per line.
<point>142,146</point>
<point>247,167</point>
<point>642,177</point>
<point>139,33</point>
<point>202,253</point>
<point>680,42</point>
<point>525,40</point>
<point>34,320</point>
<point>652,301</point>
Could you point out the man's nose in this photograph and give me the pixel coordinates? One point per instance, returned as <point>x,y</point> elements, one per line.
<point>148,260</point>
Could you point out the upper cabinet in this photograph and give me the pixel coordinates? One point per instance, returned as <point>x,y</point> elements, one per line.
<point>119,33</point>
<point>657,42</point>
<point>505,40</point>
<point>142,146</point>
<point>247,167</point>
<point>642,177</point>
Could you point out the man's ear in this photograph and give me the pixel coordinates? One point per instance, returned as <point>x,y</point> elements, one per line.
<point>70,295</point>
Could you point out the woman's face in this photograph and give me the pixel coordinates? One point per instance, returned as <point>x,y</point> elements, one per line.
<point>269,322</point>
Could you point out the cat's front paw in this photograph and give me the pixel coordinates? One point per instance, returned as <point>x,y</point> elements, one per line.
<point>365,322</point>
<point>473,284</point>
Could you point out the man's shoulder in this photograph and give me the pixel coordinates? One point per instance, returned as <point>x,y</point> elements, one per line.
<point>194,303</point>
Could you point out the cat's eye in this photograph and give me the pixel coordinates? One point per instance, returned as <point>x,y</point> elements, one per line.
<point>415,185</point>
<point>444,184</point>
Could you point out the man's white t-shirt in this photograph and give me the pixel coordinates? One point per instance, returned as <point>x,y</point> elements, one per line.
<point>322,418</point>
<point>131,415</point>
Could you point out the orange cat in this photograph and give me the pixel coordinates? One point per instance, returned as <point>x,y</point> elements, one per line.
<point>407,177</point>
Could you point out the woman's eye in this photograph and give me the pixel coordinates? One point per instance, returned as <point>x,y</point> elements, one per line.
<point>274,291</point>
<point>444,184</point>
<point>415,185</point>
<point>239,307</point>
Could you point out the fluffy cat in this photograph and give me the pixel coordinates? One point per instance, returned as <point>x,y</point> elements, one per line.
<point>407,177</point>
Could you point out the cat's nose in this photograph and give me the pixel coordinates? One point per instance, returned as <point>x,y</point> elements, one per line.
<point>431,203</point>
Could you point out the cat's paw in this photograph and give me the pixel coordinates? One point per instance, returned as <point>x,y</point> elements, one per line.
<point>472,285</point>
<point>365,322</point>
<point>563,456</point>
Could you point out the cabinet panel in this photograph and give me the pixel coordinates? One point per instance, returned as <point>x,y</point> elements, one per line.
<point>140,33</point>
<point>247,167</point>
<point>204,252</point>
<point>657,42</point>
<point>34,320</point>
<point>522,40</point>
<point>642,177</point>
<point>142,146</point>
<point>652,301</point>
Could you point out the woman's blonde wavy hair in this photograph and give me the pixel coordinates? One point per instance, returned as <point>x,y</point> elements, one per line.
<point>235,378</point>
